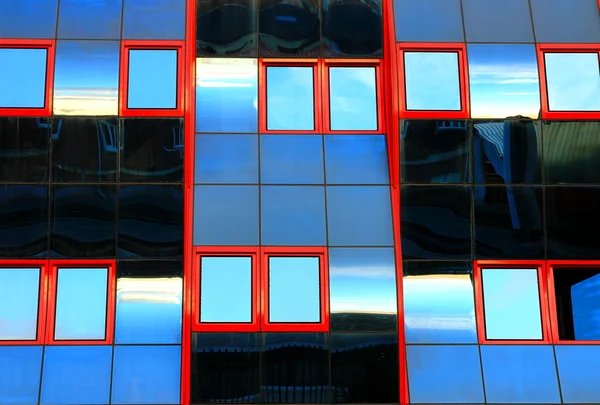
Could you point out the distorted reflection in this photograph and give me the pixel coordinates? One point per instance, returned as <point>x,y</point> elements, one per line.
<point>226,95</point>
<point>586,308</point>
<point>432,81</point>
<point>573,81</point>
<point>86,78</point>
<point>290,98</point>
<point>503,80</point>
<point>512,304</point>
<point>353,98</point>
<point>19,289</point>
<point>23,78</point>
<point>81,304</point>
<point>152,79</point>
<point>24,149</point>
<point>294,291</point>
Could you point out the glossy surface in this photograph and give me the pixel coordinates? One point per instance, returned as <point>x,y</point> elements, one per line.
<point>290,98</point>
<point>24,149</point>
<point>226,158</point>
<point>19,289</point>
<point>576,370</point>
<point>356,159</point>
<point>291,159</point>
<point>438,302</point>
<point>585,307</point>
<point>503,79</point>
<point>573,81</point>
<point>86,78</point>
<point>22,78</point>
<point>362,289</point>
<point>20,369</point>
<point>226,289</point>
<point>353,98</point>
<point>432,81</point>
<point>492,21</point>
<point>159,19</point>
<point>578,22</point>
<point>428,21</point>
<point>28,19</point>
<point>91,19</point>
<point>152,79</point>
<point>226,95</point>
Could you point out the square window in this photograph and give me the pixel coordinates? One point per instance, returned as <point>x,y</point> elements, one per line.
<point>353,95</point>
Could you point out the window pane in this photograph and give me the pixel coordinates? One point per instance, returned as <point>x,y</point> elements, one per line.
<point>89,19</point>
<point>294,294</point>
<point>432,81</point>
<point>586,307</point>
<point>226,158</point>
<point>20,368</point>
<point>19,303</point>
<point>291,159</point>
<point>573,81</point>
<point>356,159</point>
<point>28,19</point>
<point>512,304</point>
<point>22,78</point>
<point>290,98</point>
<point>81,304</point>
<point>226,289</point>
<point>152,79</point>
<point>353,98</point>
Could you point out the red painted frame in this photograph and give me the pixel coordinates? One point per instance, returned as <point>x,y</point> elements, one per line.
<point>129,45</point>
<point>321,253</point>
<point>54,265</point>
<point>49,45</point>
<point>543,296</point>
<point>463,75</point>
<point>542,49</point>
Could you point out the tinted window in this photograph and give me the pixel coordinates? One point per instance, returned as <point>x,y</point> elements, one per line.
<point>573,81</point>
<point>353,98</point>
<point>24,149</point>
<point>96,19</point>
<point>22,78</point>
<point>290,98</point>
<point>158,19</point>
<point>19,289</point>
<point>152,79</point>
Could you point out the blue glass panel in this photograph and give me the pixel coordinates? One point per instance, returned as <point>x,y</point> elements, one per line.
<point>28,19</point>
<point>226,289</point>
<point>293,215</point>
<point>226,95</point>
<point>359,216</point>
<point>20,374</point>
<point>19,289</point>
<point>438,302</point>
<point>586,308</point>
<point>22,77</point>
<point>494,21</point>
<point>89,19</point>
<point>294,289</point>
<point>156,19</point>
<point>428,21</point>
<point>76,375</point>
<point>578,373</point>
<point>573,81</point>
<point>86,78</point>
<point>432,81</point>
<point>565,21</point>
<point>435,377</point>
<point>519,374</point>
<point>146,375</point>
<point>226,215</point>
<point>291,159</point>
<point>226,159</point>
<point>362,289</point>
<point>356,159</point>
<point>290,98</point>
<point>353,98</point>
<point>81,304</point>
<point>152,78</point>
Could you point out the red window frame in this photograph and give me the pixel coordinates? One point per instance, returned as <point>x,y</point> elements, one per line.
<point>463,76</point>
<point>129,45</point>
<point>542,49</point>
<point>543,296</point>
<point>49,45</point>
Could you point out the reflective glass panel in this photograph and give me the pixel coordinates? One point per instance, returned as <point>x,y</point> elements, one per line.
<point>89,19</point>
<point>20,368</point>
<point>576,366</point>
<point>578,22</point>
<point>294,292</point>
<point>428,21</point>
<point>28,19</point>
<point>495,21</point>
<point>226,158</point>
<point>353,98</point>
<point>356,159</point>
<point>291,159</point>
<point>24,149</point>
<point>512,304</point>
<point>573,81</point>
<point>290,98</point>
<point>152,79</point>
<point>156,19</point>
<point>586,308</point>
<point>22,78</point>
<point>19,303</point>
<point>81,296</point>
<point>225,289</point>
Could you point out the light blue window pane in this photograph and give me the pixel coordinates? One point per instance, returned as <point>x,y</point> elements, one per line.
<point>81,304</point>
<point>290,98</point>
<point>294,289</point>
<point>156,19</point>
<point>291,159</point>
<point>90,19</point>
<point>432,81</point>
<point>353,98</point>
<point>512,304</point>
<point>578,373</point>
<point>76,375</point>
<point>28,19</point>
<point>19,303</point>
<point>573,81</point>
<point>20,368</point>
<point>22,78</point>
<point>428,21</point>
<point>226,289</point>
<point>356,159</point>
<point>152,79</point>
<point>586,308</point>
<point>226,159</point>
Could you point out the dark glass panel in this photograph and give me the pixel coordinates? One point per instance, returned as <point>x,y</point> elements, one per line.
<point>23,77</point>
<point>152,150</point>
<point>20,369</point>
<point>578,21</point>
<point>436,222</point>
<point>364,368</point>
<point>225,158</point>
<point>225,368</point>
<point>23,221</point>
<point>295,368</point>
<point>150,221</point>
<point>24,149</point>
<point>428,21</point>
<point>494,21</point>
<point>577,370</point>
<point>83,221</point>
<point>156,19</point>
<point>356,159</point>
<point>28,19</point>
<point>84,150</point>
<point>89,19</point>
<point>226,28</point>
<point>291,159</point>
<point>434,151</point>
